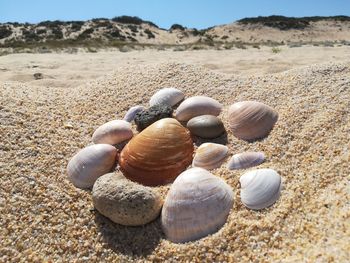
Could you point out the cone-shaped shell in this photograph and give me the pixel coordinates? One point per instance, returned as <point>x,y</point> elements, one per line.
<point>113,132</point>
<point>158,154</point>
<point>251,120</point>
<point>197,105</point>
<point>197,204</point>
<point>90,163</point>
<point>260,188</point>
<point>210,155</point>
<point>245,160</point>
<point>206,126</point>
<point>131,113</point>
<point>168,96</point>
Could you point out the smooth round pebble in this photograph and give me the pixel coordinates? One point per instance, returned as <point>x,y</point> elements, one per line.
<point>206,126</point>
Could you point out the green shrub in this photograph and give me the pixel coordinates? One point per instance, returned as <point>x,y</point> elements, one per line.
<point>177,26</point>
<point>5,32</point>
<point>149,33</point>
<point>256,46</point>
<point>132,20</point>
<point>276,50</point>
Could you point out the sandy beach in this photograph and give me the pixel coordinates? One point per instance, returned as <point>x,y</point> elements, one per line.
<point>44,122</point>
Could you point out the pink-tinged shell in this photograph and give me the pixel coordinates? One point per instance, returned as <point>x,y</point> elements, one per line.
<point>210,156</point>
<point>245,160</point>
<point>197,105</point>
<point>198,204</point>
<point>167,96</point>
<point>113,132</point>
<point>251,120</point>
<point>131,113</point>
<point>90,163</point>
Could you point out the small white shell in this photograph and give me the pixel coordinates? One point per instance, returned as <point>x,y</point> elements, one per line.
<point>210,155</point>
<point>197,105</point>
<point>131,113</point>
<point>90,163</point>
<point>260,188</point>
<point>113,132</point>
<point>168,96</point>
<point>197,204</point>
<point>245,160</point>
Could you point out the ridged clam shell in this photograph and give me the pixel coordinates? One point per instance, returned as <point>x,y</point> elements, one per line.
<point>251,120</point>
<point>210,155</point>
<point>113,132</point>
<point>197,105</point>
<point>206,126</point>
<point>168,96</point>
<point>131,113</point>
<point>260,188</point>
<point>90,163</point>
<point>158,154</point>
<point>245,160</point>
<point>197,204</point>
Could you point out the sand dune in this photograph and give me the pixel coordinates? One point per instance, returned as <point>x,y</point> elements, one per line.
<point>44,218</point>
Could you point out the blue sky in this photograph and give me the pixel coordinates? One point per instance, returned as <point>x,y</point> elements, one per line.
<point>190,13</point>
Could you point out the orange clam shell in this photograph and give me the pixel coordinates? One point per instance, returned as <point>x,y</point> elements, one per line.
<point>158,154</point>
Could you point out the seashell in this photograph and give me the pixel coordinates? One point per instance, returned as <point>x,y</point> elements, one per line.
<point>168,96</point>
<point>90,163</point>
<point>245,160</point>
<point>197,204</point>
<point>260,188</point>
<point>206,126</point>
<point>112,132</point>
<point>251,120</point>
<point>125,202</point>
<point>131,113</point>
<point>210,156</point>
<point>158,154</point>
<point>198,105</point>
<point>145,118</point>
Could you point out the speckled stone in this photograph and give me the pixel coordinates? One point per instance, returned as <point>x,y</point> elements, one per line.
<point>206,126</point>
<point>146,117</point>
<point>125,202</point>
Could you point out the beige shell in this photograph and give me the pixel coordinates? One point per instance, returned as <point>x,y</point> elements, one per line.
<point>197,204</point>
<point>197,105</point>
<point>251,120</point>
<point>90,163</point>
<point>210,156</point>
<point>245,160</point>
<point>113,132</point>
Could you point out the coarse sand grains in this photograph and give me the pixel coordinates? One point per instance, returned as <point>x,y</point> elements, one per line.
<point>45,218</point>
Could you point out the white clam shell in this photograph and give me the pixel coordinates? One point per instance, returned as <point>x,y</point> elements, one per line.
<point>197,204</point>
<point>90,163</point>
<point>113,132</point>
<point>210,155</point>
<point>245,160</point>
<point>260,188</point>
<point>168,96</point>
<point>131,113</point>
<point>197,105</point>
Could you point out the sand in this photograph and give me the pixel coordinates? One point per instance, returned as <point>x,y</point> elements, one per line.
<point>44,218</point>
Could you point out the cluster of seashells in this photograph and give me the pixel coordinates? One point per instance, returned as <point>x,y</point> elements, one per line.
<point>198,202</point>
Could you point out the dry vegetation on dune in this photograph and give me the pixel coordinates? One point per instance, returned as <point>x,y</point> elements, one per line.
<point>44,218</point>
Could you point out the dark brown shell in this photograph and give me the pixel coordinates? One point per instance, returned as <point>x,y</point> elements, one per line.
<point>158,154</point>
<point>251,120</point>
